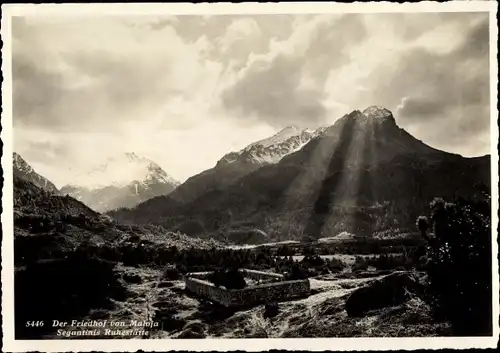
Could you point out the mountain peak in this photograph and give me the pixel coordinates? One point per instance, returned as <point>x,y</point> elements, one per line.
<point>378,112</point>
<point>123,158</point>
<point>131,156</point>
<point>290,129</point>
<point>123,180</point>
<point>23,170</point>
<point>120,171</point>
<point>270,150</point>
<point>20,164</point>
<point>279,137</point>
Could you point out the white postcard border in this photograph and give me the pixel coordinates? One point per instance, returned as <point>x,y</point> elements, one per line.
<point>312,344</point>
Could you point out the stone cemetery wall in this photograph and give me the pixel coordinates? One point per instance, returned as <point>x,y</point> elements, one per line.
<point>209,291</point>
<point>277,291</point>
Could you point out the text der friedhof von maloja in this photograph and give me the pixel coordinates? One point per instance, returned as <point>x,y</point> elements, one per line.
<point>74,328</point>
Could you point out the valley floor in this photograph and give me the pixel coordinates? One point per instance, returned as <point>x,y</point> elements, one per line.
<point>322,314</point>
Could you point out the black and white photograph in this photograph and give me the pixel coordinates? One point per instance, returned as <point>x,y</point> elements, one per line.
<point>228,171</point>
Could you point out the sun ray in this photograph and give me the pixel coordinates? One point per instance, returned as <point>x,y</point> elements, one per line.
<point>310,168</point>
<point>341,149</point>
<point>345,193</point>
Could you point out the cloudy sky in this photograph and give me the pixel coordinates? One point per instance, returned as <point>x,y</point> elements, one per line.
<point>185,90</point>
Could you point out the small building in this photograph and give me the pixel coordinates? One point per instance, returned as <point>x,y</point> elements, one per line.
<point>263,287</point>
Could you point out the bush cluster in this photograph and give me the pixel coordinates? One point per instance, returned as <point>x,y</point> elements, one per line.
<point>459,266</point>
<point>65,289</point>
<point>405,261</point>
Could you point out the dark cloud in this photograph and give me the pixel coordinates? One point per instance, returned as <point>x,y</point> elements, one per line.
<point>447,96</point>
<point>216,28</point>
<point>425,108</point>
<point>45,151</point>
<point>477,44</point>
<point>410,26</point>
<point>34,93</point>
<point>80,88</point>
<point>123,81</point>
<point>329,47</point>
<point>437,85</point>
<point>192,27</point>
<point>272,91</point>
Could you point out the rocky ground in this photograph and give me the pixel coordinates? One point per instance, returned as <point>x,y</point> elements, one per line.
<point>322,314</point>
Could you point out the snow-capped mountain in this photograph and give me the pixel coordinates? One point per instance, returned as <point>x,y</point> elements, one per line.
<point>271,150</point>
<point>235,165</point>
<point>122,170</point>
<point>23,170</point>
<point>121,181</point>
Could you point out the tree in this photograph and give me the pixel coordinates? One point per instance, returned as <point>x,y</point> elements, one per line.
<point>459,266</point>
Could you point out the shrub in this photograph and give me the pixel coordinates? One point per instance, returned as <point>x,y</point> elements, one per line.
<point>271,310</point>
<point>335,264</point>
<point>296,272</point>
<point>313,261</point>
<point>285,250</point>
<point>171,273</point>
<point>231,279</point>
<point>459,266</point>
<point>359,264</point>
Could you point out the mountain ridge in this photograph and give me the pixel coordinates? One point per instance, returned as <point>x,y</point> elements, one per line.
<point>272,149</point>
<point>329,185</point>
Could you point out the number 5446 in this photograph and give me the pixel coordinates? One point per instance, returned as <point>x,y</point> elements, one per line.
<point>34,323</point>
